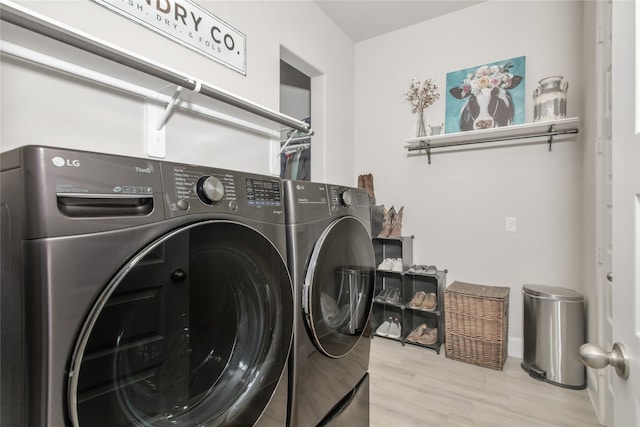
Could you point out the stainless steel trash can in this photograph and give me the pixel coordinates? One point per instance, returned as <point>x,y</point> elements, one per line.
<point>554,330</point>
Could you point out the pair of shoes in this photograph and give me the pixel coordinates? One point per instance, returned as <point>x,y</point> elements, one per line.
<point>382,296</point>
<point>366,181</point>
<point>392,223</point>
<point>390,328</point>
<point>429,270</point>
<point>386,264</point>
<point>389,295</point>
<point>417,299</point>
<point>423,335</point>
<point>394,296</point>
<point>391,264</point>
<point>423,301</point>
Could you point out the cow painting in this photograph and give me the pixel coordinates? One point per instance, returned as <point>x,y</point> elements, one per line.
<point>487,93</point>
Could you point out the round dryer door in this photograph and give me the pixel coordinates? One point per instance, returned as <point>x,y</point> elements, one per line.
<point>195,330</point>
<point>339,286</point>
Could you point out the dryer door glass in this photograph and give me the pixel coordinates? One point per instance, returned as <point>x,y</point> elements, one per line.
<point>339,286</point>
<point>195,330</point>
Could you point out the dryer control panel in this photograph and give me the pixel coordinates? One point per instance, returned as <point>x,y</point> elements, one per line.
<point>309,201</point>
<point>345,198</point>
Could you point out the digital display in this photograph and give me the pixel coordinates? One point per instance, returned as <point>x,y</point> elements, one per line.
<point>263,193</point>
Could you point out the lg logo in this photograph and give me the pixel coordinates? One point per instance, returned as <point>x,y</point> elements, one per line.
<point>61,162</point>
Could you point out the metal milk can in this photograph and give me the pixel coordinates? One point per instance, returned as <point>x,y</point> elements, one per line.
<point>550,99</point>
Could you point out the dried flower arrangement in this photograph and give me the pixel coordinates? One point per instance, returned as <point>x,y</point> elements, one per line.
<point>422,95</point>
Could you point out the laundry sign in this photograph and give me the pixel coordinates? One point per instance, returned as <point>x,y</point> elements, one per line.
<point>188,24</point>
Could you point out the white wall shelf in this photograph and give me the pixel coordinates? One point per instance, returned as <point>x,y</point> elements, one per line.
<point>547,130</point>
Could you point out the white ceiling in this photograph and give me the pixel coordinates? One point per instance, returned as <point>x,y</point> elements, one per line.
<point>364,19</point>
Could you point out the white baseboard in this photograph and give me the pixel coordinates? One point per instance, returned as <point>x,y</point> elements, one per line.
<point>516,347</point>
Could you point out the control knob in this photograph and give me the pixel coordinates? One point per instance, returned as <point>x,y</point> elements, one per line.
<point>210,189</point>
<point>346,199</point>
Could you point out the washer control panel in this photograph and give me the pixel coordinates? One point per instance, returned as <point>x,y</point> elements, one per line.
<point>261,192</point>
<point>192,186</point>
<point>210,189</point>
<point>193,189</point>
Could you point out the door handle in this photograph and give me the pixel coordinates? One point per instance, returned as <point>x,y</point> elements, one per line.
<point>595,357</point>
<point>610,277</point>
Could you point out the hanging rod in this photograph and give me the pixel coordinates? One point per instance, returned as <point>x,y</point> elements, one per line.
<point>424,145</point>
<point>30,20</point>
<point>298,147</point>
<point>80,72</point>
<point>295,139</point>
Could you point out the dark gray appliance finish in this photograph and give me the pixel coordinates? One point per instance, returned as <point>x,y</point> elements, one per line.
<point>139,292</point>
<point>332,263</point>
<point>353,410</point>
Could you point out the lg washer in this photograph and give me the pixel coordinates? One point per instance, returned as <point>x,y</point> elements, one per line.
<point>141,293</point>
<point>332,263</point>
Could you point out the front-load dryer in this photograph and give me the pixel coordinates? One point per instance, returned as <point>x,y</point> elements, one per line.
<point>141,293</point>
<point>332,263</point>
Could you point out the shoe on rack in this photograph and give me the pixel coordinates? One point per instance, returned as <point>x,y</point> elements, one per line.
<point>394,296</point>
<point>417,299</point>
<point>397,265</point>
<point>429,302</point>
<point>413,269</point>
<point>387,222</point>
<point>386,264</point>
<point>417,333</point>
<point>430,270</point>
<point>420,269</point>
<point>382,296</point>
<point>396,226</point>
<point>383,329</point>
<point>395,330</point>
<point>428,337</point>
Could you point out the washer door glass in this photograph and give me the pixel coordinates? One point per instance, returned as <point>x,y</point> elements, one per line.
<point>339,286</point>
<point>193,331</point>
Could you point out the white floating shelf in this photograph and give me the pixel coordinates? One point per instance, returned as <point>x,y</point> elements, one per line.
<point>546,129</point>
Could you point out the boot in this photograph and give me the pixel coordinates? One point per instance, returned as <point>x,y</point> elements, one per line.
<point>361,181</point>
<point>396,226</point>
<point>387,224</point>
<point>368,184</point>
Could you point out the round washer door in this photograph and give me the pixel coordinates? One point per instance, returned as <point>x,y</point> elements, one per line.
<point>195,330</point>
<point>339,286</point>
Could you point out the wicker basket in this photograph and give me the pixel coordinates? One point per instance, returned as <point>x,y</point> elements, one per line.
<point>477,324</point>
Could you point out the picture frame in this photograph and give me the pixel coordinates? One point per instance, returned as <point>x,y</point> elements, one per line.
<point>486,96</point>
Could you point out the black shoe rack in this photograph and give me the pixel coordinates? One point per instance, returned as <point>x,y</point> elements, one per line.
<point>395,290</point>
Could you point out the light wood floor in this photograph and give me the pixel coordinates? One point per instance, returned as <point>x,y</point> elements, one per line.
<point>414,386</point>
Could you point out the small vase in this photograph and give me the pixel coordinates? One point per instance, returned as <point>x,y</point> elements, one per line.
<point>421,125</point>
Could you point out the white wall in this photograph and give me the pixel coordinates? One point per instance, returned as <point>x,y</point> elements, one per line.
<point>456,207</point>
<point>41,107</point>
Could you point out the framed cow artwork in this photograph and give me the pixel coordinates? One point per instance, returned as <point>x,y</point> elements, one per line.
<point>486,96</point>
